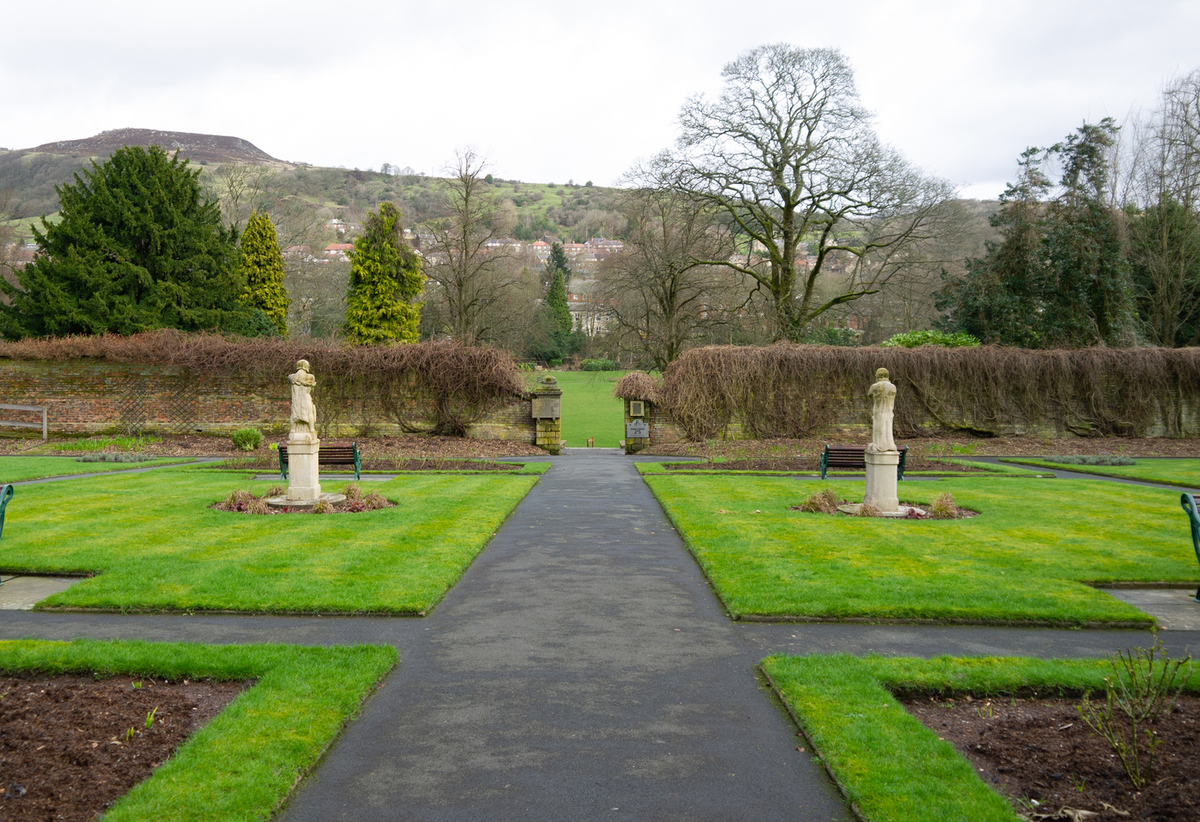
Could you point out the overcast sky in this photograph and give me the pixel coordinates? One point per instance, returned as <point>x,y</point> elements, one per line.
<point>551,91</point>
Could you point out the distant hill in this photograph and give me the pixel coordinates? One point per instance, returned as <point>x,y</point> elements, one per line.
<point>199,148</point>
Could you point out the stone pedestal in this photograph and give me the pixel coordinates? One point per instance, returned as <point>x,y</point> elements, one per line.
<point>304,484</point>
<point>881,480</point>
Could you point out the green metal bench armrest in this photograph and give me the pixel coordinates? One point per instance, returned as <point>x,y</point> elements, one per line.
<point>1188,503</point>
<point>282,460</point>
<point>6,494</point>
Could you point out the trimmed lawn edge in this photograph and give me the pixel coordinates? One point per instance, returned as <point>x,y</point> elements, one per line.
<point>890,767</point>
<point>1091,469</point>
<point>245,763</point>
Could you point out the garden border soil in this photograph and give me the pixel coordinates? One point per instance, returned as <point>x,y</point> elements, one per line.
<point>1040,749</point>
<point>70,746</point>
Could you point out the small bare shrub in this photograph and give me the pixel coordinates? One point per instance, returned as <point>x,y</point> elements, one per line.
<point>258,506</point>
<point>275,491</point>
<point>869,510</point>
<point>822,502</point>
<point>1138,691</point>
<point>352,491</point>
<point>375,501</point>
<point>322,507</point>
<point>943,507</point>
<point>239,501</point>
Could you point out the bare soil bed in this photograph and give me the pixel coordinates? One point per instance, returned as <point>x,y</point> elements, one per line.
<point>71,746</point>
<point>372,448</point>
<point>807,465</point>
<point>921,448</point>
<point>1040,751</point>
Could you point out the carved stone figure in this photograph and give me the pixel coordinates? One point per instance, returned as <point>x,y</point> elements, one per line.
<point>304,413</point>
<point>883,399</point>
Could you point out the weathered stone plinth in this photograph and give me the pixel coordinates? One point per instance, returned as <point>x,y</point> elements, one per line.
<point>881,480</point>
<point>547,415</point>
<point>304,485</point>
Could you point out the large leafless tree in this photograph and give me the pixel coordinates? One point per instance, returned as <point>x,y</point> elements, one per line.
<point>470,274</point>
<point>788,153</point>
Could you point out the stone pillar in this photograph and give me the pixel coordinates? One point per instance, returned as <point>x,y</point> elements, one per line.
<point>304,485</point>
<point>547,415</point>
<point>881,480</point>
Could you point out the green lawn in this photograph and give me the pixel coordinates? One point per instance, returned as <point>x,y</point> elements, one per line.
<point>889,765</point>
<point>589,408</point>
<point>1182,472</point>
<point>156,545</point>
<point>1026,556</point>
<point>16,469</point>
<point>243,764</point>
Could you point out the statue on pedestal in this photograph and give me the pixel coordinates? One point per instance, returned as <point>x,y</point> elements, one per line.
<point>883,399</point>
<point>304,413</point>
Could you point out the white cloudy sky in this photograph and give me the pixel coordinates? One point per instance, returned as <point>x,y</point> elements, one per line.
<point>551,91</point>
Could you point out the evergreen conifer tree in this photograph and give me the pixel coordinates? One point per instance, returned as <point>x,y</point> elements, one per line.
<point>385,280</point>
<point>137,248</point>
<point>558,262</point>
<point>262,266</point>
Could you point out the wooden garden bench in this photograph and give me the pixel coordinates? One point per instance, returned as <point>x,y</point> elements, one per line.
<point>327,457</point>
<point>1189,506</point>
<point>853,458</point>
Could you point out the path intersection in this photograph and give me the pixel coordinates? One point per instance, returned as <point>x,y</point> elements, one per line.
<point>581,669</point>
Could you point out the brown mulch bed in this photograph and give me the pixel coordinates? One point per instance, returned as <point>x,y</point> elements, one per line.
<point>65,748</point>
<point>389,448</point>
<point>807,465</point>
<point>1041,750</point>
<point>922,447</point>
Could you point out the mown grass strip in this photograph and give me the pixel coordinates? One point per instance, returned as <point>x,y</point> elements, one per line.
<point>156,545</point>
<point>243,764</point>
<point>1028,557</point>
<point>19,469</point>
<point>890,766</point>
<point>1184,473</point>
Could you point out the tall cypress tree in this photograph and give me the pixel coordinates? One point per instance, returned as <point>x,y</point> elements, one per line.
<point>262,266</point>
<point>137,248</point>
<point>385,280</point>
<point>558,262</point>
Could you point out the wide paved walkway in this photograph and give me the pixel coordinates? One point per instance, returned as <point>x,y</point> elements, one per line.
<point>582,669</point>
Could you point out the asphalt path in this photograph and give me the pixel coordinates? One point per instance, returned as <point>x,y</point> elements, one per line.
<point>581,669</point>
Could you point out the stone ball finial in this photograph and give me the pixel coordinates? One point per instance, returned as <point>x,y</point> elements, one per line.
<point>881,374</point>
<point>302,365</point>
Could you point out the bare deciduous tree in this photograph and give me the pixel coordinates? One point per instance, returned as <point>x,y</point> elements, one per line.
<point>788,153</point>
<point>471,272</point>
<point>656,289</point>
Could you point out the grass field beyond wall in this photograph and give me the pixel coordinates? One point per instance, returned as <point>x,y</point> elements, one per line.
<point>589,408</point>
<point>1026,557</point>
<point>155,544</point>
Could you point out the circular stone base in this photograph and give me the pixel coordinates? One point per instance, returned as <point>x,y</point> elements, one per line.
<point>284,502</point>
<point>854,508</point>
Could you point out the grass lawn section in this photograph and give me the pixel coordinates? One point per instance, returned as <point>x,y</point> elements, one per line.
<point>889,765</point>
<point>1181,472</point>
<point>16,469</point>
<point>1025,558</point>
<point>984,469</point>
<point>589,408</point>
<point>243,764</point>
<point>157,546</point>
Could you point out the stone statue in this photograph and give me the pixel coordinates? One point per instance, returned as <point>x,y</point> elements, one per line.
<point>304,413</point>
<point>883,398</point>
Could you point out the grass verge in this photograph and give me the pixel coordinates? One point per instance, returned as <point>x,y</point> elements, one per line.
<point>1182,472</point>
<point>18,469</point>
<point>243,764</point>
<point>984,469</point>
<point>1027,558</point>
<point>157,546</point>
<point>890,766</point>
